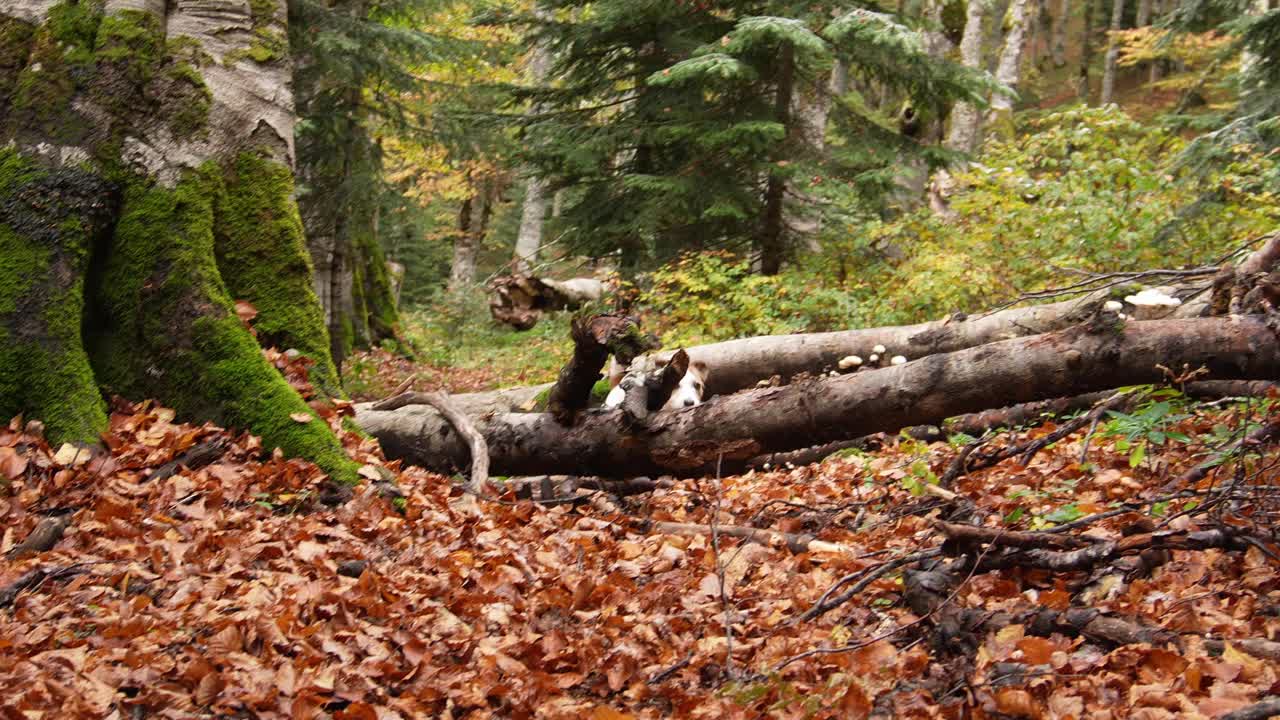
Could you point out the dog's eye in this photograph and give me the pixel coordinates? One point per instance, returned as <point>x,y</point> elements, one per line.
<point>698,387</point>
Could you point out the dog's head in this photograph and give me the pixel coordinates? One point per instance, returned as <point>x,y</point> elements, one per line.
<point>691,390</point>
<point>692,387</point>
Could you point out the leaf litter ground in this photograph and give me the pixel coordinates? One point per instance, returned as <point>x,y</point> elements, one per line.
<point>234,590</point>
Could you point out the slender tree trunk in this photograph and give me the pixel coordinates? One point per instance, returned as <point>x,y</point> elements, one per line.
<point>532,214</point>
<point>772,240</point>
<point>1113,52</point>
<point>964,134</point>
<point>135,290</point>
<point>1157,68</point>
<point>809,113</point>
<point>534,209</point>
<point>339,203</point>
<point>1009,70</point>
<point>1086,50</point>
<point>465,245</point>
<point>1143,18</point>
<point>1060,22</point>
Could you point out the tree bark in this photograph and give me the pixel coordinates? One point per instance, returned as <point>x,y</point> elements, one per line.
<point>189,112</point>
<point>1086,50</point>
<point>1009,71</point>
<point>965,133</point>
<point>772,241</point>
<point>809,111</point>
<point>534,209</point>
<point>519,301</point>
<point>462,272</point>
<point>1059,32</point>
<point>1113,52</point>
<point>1157,67</point>
<point>694,440</point>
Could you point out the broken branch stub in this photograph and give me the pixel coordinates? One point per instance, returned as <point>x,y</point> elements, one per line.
<point>594,339</point>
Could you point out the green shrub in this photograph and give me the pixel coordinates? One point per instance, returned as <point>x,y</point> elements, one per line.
<point>712,296</point>
<point>1079,190</point>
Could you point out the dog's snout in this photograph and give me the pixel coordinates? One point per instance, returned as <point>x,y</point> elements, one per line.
<point>690,402</point>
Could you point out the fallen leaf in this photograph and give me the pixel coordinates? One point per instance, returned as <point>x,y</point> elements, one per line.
<point>12,465</point>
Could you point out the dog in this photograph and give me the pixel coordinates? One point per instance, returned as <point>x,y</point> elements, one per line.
<point>688,393</point>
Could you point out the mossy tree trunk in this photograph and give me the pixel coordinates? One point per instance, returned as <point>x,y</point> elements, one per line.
<point>339,185</point>
<point>146,185</point>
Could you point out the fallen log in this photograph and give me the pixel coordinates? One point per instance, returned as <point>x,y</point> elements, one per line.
<point>461,424</point>
<point>739,364</point>
<point>689,442</point>
<point>520,300</point>
<point>975,424</point>
<point>1258,711</point>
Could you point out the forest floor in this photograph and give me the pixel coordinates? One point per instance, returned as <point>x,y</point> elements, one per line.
<point>249,588</point>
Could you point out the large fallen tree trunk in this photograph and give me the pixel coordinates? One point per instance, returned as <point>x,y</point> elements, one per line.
<point>693,441</point>
<point>740,364</point>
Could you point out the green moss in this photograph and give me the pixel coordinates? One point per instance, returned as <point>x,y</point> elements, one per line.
<point>233,364</point>
<point>262,255</point>
<point>379,300</point>
<point>600,391</point>
<point>269,41</point>
<point>47,222</point>
<point>130,35</point>
<point>347,337</point>
<point>128,54</point>
<point>60,63</point>
<point>169,330</point>
<point>15,46</point>
<point>189,100</point>
<point>186,49</point>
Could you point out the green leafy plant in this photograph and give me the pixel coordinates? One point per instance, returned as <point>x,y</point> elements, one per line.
<point>1146,427</point>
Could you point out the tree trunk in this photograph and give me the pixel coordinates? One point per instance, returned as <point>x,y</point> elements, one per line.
<point>1086,50</point>
<point>800,212</point>
<point>190,115</point>
<point>339,162</point>
<point>1157,67</point>
<point>1059,42</point>
<point>772,242</point>
<point>462,272</point>
<point>534,210</point>
<point>1143,17</point>
<point>694,441</point>
<point>964,134</point>
<point>1113,52</point>
<point>529,238</point>
<point>1009,71</point>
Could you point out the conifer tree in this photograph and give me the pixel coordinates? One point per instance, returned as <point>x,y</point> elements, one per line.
<point>670,124</point>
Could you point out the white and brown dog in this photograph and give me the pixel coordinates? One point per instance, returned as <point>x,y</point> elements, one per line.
<point>688,393</point>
